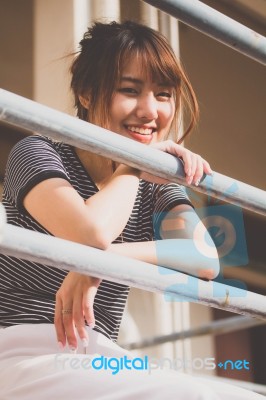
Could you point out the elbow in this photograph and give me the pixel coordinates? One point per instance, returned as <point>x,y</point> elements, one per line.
<point>210,266</point>
<point>210,270</point>
<point>103,244</point>
<point>209,273</point>
<point>98,238</point>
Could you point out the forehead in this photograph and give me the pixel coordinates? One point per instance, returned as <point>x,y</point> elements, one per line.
<point>133,68</point>
<point>137,70</point>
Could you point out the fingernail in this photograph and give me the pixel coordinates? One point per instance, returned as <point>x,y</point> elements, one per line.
<point>72,349</point>
<point>60,345</point>
<point>92,325</point>
<point>197,182</point>
<point>85,342</point>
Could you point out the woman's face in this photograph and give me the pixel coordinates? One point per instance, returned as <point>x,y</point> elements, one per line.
<point>141,110</point>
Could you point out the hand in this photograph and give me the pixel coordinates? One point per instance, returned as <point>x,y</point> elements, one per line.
<point>194,164</point>
<point>75,296</point>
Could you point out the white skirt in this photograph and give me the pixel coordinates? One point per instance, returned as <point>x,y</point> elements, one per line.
<point>32,367</point>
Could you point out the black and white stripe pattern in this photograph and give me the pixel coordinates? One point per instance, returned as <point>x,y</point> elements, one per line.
<point>27,289</point>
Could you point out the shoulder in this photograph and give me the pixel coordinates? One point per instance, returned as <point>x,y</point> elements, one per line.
<point>32,160</point>
<point>162,198</point>
<point>32,143</point>
<point>169,195</point>
<point>162,190</point>
<point>171,189</point>
<point>32,151</point>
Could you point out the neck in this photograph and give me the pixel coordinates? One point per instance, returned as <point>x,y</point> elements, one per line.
<point>98,167</point>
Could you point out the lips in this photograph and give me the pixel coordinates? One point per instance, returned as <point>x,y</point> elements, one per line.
<point>141,131</point>
<point>141,134</point>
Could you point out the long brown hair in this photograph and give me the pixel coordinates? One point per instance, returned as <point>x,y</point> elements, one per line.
<point>104,50</point>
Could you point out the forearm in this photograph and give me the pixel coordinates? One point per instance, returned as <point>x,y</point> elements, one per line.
<point>184,255</point>
<point>112,205</point>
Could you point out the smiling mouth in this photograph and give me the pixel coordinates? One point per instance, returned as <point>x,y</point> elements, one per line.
<point>141,131</point>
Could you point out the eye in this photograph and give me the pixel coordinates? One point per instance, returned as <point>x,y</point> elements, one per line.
<point>165,95</point>
<point>127,90</point>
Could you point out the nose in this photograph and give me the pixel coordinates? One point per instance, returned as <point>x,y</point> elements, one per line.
<point>147,107</point>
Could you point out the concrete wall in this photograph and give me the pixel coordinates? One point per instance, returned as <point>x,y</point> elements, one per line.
<point>16,46</point>
<point>231,92</point>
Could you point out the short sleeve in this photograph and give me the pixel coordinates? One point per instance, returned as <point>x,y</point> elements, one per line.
<point>166,197</point>
<point>31,161</point>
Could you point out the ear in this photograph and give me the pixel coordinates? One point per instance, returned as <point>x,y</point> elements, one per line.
<point>84,102</point>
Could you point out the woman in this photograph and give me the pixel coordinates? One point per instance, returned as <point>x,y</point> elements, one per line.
<point>126,79</point>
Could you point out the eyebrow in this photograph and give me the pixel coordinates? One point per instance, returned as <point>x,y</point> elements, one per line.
<point>140,82</point>
<point>131,79</point>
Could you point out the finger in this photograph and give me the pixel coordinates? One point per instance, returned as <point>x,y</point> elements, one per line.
<point>187,158</point>
<point>193,168</point>
<point>59,326</point>
<point>199,171</point>
<point>68,323</point>
<point>88,301</point>
<point>79,321</point>
<point>207,168</point>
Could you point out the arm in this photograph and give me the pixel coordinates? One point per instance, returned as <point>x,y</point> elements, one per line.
<point>186,245</point>
<point>98,221</point>
<point>56,205</point>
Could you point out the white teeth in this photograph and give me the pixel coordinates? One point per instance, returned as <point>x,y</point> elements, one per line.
<point>142,131</point>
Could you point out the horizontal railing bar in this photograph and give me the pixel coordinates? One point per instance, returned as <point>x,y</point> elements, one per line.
<point>255,387</point>
<point>33,116</point>
<point>216,25</point>
<point>222,326</point>
<point>63,254</point>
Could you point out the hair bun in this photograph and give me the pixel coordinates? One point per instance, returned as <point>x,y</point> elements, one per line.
<point>99,31</point>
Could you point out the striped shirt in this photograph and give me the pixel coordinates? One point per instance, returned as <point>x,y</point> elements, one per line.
<point>28,289</point>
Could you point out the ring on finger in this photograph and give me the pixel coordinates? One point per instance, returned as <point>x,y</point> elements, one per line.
<point>67,311</point>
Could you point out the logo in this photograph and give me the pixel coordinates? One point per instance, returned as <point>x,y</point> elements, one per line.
<point>115,365</point>
<point>224,230</point>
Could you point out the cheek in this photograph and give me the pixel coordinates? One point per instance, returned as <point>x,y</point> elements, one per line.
<point>121,107</point>
<point>120,110</point>
<point>168,114</point>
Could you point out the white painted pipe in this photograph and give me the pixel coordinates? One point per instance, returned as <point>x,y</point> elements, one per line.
<point>216,25</point>
<point>63,254</point>
<point>28,114</point>
<point>218,327</point>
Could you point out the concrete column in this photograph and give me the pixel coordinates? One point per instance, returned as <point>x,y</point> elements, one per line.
<point>53,42</point>
<point>81,9</point>
<point>149,15</point>
<point>105,10</point>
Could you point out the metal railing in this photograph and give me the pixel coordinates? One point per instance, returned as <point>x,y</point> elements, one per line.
<point>254,387</point>
<point>217,327</point>
<point>217,25</point>
<point>33,116</point>
<point>71,256</point>
<point>30,115</point>
<point>63,254</point>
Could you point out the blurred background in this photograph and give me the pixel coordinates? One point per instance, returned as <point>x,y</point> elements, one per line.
<point>37,37</point>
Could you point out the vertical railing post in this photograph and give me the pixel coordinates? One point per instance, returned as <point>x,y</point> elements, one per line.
<point>2,220</point>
